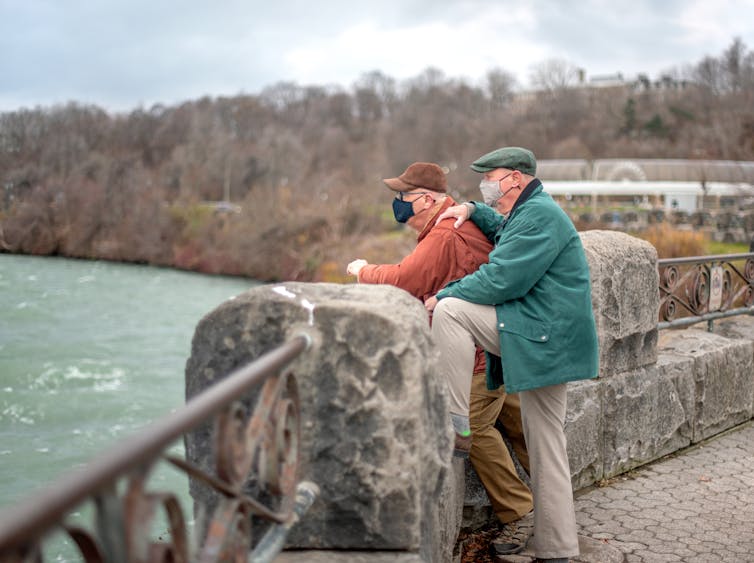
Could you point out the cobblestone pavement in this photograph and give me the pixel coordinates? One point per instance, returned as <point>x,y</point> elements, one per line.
<point>696,506</point>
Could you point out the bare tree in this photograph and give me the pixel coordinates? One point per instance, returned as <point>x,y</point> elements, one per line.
<point>305,162</point>
<point>500,87</point>
<point>554,75</point>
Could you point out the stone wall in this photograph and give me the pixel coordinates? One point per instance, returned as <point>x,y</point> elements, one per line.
<point>654,395</point>
<point>701,384</point>
<point>376,432</point>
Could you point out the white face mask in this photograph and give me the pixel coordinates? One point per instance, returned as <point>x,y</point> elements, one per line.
<point>490,191</point>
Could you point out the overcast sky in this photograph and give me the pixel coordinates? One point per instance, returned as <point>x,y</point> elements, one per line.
<point>124,54</point>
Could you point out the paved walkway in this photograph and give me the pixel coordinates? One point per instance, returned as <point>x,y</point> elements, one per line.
<point>695,506</point>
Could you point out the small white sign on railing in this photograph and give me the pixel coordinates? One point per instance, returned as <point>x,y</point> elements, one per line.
<point>715,288</point>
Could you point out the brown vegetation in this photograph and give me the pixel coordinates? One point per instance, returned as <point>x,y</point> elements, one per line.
<point>303,164</point>
<point>673,243</point>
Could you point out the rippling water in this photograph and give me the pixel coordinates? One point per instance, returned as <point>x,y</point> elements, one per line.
<point>89,352</point>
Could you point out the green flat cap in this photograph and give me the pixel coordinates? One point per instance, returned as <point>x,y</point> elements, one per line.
<point>512,158</point>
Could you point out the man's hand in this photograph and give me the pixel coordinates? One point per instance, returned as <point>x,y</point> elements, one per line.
<point>354,267</point>
<point>460,212</point>
<point>430,303</point>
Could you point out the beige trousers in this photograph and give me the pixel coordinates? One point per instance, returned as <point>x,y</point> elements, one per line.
<point>456,326</point>
<point>509,496</point>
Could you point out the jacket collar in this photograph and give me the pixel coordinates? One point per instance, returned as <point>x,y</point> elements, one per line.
<point>529,191</point>
<point>449,202</point>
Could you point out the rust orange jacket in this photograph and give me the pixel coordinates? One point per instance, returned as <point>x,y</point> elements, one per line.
<point>442,254</point>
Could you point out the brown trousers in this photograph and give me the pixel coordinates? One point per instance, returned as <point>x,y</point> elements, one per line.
<point>509,496</point>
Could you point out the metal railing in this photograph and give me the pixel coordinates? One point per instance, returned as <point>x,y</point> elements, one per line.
<point>705,288</point>
<point>265,445</point>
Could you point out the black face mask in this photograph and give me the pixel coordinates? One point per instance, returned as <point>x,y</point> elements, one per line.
<point>402,210</point>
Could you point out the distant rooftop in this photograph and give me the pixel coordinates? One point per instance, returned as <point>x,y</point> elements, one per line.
<point>607,80</point>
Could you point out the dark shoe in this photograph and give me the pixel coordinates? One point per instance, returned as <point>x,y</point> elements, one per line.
<point>513,536</point>
<point>462,445</point>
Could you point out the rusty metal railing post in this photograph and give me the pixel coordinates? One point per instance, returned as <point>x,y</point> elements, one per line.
<point>23,527</point>
<point>272,542</point>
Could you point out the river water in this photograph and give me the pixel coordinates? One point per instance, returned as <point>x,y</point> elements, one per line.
<point>89,353</point>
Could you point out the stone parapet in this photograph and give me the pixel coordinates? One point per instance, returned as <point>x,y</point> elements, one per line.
<point>741,326</point>
<point>584,432</point>
<point>376,431</point>
<point>646,414</point>
<point>625,299</point>
<point>723,378</point>
<point>701,385</point>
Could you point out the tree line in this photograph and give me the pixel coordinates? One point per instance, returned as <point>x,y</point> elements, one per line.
<point>299,168</point>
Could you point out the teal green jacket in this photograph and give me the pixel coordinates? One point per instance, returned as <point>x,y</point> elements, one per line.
<point>538,280</point>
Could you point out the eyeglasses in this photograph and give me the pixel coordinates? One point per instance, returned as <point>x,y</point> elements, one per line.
<point>401,194</point>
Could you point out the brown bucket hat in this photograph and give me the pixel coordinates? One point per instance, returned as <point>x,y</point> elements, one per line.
<point>420,175</point>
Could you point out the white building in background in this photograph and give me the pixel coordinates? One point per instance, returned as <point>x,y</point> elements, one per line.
<point>682,196</point>
<point>683,185</point>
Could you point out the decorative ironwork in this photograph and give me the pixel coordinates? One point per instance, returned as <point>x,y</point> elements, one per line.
<point>263,445</point>
<point>705,288</point>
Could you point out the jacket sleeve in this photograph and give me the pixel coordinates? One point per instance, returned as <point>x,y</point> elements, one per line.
<point>421,273</point>
<point>487,219</point>
<point>521,257</point>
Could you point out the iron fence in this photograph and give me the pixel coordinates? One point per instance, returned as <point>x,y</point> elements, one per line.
<point>705,288</point>
<point>264,444</point>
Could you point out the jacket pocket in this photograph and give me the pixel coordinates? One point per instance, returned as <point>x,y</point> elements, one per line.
<point>533,331</point>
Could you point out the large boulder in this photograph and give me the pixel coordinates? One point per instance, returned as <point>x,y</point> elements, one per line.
<point>376,433</point>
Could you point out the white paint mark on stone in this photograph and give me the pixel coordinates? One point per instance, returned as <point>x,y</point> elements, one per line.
<point>309,306</point>
<point>281,290</point>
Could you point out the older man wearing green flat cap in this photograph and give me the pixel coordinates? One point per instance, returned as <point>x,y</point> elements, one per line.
<point>530,308</point>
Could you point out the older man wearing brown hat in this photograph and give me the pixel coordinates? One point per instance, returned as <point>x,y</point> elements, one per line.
<point>442,254</point>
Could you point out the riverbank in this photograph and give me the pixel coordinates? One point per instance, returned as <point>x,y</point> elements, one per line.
<point>210,240</point>
<point>314,245</point>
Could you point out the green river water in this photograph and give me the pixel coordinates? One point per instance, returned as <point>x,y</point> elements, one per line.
<point>89,353</point>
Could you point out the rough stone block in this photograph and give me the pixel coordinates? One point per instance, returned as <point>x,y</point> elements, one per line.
<point>376,433</point>
<point>477,510</point>
<point>625,299</point>
<point>723,378</point>
<point>741,326</point>
<point>449,511</point>
<point>583,431</point>
<point>647,413</point>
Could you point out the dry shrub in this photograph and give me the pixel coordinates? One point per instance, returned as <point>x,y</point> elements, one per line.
<point>673,243</point>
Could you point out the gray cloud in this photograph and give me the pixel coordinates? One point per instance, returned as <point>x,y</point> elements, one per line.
<point>120,55</point>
